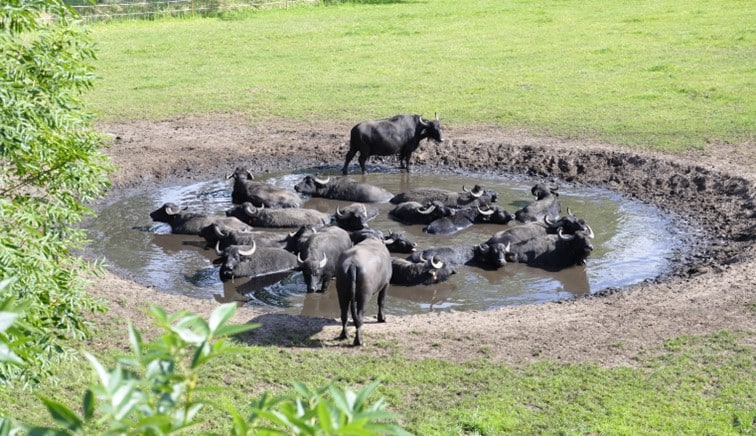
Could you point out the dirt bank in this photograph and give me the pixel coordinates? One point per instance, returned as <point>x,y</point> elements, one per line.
<point>711,288</point>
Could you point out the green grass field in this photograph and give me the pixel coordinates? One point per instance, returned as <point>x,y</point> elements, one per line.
<point>658,74</point>
<point>666,75</point>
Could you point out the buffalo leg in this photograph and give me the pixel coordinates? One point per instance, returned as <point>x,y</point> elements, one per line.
<point>358,309</point>
<point>362,160</point>
<point>349,157</point>
<point>381,297</point>
<point>344,319</point>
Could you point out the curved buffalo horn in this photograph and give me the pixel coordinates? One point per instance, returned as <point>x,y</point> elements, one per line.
<point>321,181</point>
<point>421,121</point>
<point>249,174</point>
<point>218,232</point>
<point>485,212</point>
<point>388,241</point>
<point>465,189</point>
<point>338,212</point>
<point>170,211</point>
<point>364,209</point>
<point>249,209</point>
<point>590,234</point>
<point>476,191</point>
<point>249,252</point>
<point>217,248</point>
<point>422,258</point>
<point>299,258</point>
<point>427,210</point>
<point>569,212</point>
<point>323,262</point>
<point>436,263</point>
<point>563,236</point>
<point>436,115</point>
<point>548,221</point>
<point>230,176</point>
<point>554,188</point>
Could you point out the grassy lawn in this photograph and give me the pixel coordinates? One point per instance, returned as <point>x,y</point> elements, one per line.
<point>660,74</point>
<point>666,75</point>
<point>701,385</point>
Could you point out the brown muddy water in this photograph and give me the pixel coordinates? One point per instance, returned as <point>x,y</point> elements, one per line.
<point>634,242</point>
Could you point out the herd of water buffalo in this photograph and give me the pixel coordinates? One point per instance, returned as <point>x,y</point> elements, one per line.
<point>342,245</point>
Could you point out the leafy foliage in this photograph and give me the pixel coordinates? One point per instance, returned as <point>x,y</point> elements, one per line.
<point>157,390</point>
<point>51,167</point>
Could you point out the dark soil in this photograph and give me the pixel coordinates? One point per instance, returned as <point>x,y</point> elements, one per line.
<point>710,192</point>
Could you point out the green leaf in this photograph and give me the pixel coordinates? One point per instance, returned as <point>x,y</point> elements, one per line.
<point>62,414</point>
<point>88,404</point>
<point>8,356</point>
<point>221,315</point>
<point>102,373</point>
<point>6,320</point>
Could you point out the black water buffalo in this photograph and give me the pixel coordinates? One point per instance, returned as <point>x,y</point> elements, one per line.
<point>297,239</point>
<point>546,204</point>
<point>189,223</point>
<point>412,212</point>
<point>251,261</point>
<point>395,242</point>
<point>221,237</point>
<point>361,271</point>
<point>478,195</point>
<point>291,217</point>
<point>427,272</point>
<point>465,217</point>
<point>568,224</point>
<point>399,134</point>
<point>484,255</point>
<point>260,194</point>
<point>342,188</point>
<point>354,216</point>
<point>554,252</point>
<point>318,255</point>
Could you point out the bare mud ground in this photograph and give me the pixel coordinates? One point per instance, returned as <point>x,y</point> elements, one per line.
<point>712,287</point>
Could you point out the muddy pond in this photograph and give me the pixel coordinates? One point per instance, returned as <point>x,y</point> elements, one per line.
<point>633,242</point>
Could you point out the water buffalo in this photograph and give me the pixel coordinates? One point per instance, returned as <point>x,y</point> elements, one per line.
<point>412,212</point>
<point>361,271</point>
<point>568,224</point>
<point>399,134</point>
<point>554,252</point>
<point>484,255</point>
<point>425,272</point>
<point>478,195</point>
<point>546,204</point>
<point>189,223</point>
<point>342,188</point>
<point>292,217</point>
<point>465,217</point>
<point>318,255</point>
<point>221,237</point>
<point>296,240</point>
<point>260,194</point>
<point>395,242</point>
<point>251,261</point>
<point>354,216</point>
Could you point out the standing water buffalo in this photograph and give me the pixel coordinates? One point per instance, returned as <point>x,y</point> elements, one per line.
<point>260,194</point>
<point>318,255</point>
<point>362,271</point>
<point>342,188</point>
<point>399,134</point>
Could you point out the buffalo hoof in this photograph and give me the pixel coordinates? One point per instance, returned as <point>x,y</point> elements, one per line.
<point>358,342</point>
